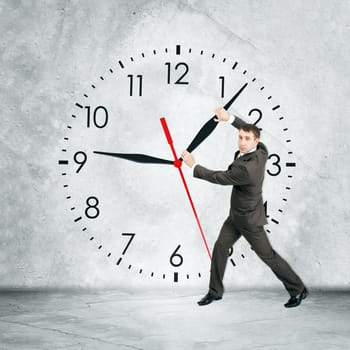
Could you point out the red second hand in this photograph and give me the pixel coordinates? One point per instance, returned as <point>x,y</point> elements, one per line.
<point>177,164</point>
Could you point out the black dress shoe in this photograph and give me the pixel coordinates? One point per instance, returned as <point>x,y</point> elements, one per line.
<point>297,299</point>
<point>207,299</point>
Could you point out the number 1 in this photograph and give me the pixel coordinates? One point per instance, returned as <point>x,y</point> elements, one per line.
<point>222,78</point>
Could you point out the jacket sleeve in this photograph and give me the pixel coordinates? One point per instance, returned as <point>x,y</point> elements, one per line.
<point>238,122</point>
<point>236,175</point>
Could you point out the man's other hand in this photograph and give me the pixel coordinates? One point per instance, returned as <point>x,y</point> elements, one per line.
<point>188,158</point>
<point>221,115</point>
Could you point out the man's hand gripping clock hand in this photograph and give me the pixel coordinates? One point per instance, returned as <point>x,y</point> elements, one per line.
<point>221,114</point>
<point>187,158</point>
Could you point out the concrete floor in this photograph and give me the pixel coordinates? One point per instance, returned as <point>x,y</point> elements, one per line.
<point>172,320</point>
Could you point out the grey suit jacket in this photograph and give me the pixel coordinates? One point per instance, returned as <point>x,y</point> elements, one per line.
<point>246,174</point>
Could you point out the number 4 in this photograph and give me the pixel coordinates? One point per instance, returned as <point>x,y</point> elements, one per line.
<point>265,205</point>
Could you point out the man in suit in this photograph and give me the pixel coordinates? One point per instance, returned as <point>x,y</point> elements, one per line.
<point>247,213</point>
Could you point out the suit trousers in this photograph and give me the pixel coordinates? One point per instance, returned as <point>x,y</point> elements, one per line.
<point>259,242</point>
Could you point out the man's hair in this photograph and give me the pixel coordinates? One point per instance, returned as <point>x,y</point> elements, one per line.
<point>251,127</point>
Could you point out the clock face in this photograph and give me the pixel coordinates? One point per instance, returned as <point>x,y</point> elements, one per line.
<point>138,215</point>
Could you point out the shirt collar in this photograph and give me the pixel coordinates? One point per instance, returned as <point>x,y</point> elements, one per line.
<point>251,151</point>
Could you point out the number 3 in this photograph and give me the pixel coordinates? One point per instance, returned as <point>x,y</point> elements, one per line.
<point>276,164</point>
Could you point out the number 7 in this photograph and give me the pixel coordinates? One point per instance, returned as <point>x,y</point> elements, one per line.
<point>132,237</point>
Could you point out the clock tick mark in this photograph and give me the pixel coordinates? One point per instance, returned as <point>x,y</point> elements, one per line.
<point>65,186</point>
<point>78,219</point>
<point>284,199</point>
<point>242,255</point>
<point>235,65</point>
<point>73,208</point>
<point>224,60</point>
<point>233,263</point>
<point>288,141</point>
<point>64,150</point>
<point>119,261</point>
<point>287,188</point>
<point>268,231</point>
<point>111,70</point>
<point>131,59</point>
<point>93,86</point>
<point>188,277</point>
<point>262,88</point>
<point>86,96</point>
<point>213,55</point>
<point>64,174</point>
<point>276,107</point>
<point>199,275</point>
<point>143,55</point>
<point>190,50</point>
<point>176,277</point>
<point>290,164</point>
<point>280,210</point>
<point>269,98</point>
<point>154,52</point>
<point>66,138</point>
<point>290,176</point>
<point>245,72</point>
<point>69,127</point>
<point>79,105</point>
<point>92,238</point>
<point>63,162</point>
<point>152,274</point>
<point>275,221</point>
<point>102,78</point>
<point>163,276</point>
<point>178,49</point>
<point>74,116</point>
<point>140,271</point>
<point>202,52</point>
<point>129,267</point>
<point>109,255</point>
<point>166,50</point>
<point>69,197</point>
<point>84,229</point>
<point>281,118</point>
<point>121,64</point>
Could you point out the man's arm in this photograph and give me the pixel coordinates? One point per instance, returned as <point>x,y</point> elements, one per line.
<point>223,116</point>
<point>237,175</point>
<point>238,122</point>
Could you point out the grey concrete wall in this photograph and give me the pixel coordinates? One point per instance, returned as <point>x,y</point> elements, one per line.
<point>52,50</point>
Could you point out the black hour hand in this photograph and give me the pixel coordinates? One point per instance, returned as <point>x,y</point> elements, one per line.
<point>137,157</point>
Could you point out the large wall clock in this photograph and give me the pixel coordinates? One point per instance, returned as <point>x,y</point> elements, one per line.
<point>138,214</point>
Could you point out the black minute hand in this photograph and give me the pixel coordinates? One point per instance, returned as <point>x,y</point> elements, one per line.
<point>138,158</point>
<point>211,124</point>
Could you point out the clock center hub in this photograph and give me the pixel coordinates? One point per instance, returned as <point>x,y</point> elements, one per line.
<point>177,163</point>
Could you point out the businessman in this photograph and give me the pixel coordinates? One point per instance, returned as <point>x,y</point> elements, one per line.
<point>247,213</point>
